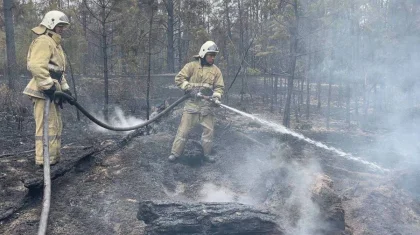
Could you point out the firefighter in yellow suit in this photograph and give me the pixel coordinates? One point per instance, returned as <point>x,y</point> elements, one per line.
<point>199,76</point>
<point>46,62</point>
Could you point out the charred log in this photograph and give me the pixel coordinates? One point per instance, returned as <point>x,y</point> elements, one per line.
<point>37,180</point>
<point>178,218</point>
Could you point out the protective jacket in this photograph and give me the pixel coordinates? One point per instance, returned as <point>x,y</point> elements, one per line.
<point>46,62</point>
<point>206,78</point>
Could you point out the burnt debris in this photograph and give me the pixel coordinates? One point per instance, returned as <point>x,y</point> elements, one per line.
<point>184,218</point>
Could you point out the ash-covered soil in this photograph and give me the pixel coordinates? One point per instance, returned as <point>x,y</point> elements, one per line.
<point>255,166</point>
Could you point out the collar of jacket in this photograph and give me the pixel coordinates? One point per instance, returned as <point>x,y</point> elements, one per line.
<point>55,36</point>
<point>203,63</point>
<point>39,30</point>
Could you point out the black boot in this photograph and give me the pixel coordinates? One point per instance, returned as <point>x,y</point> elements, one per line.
<point>172,158</point>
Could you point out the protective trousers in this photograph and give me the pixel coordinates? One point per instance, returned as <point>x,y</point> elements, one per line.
<point>188,121</point>
<point>55,127</point>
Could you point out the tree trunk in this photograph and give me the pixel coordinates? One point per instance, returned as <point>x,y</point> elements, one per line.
<point>264,96</point>
<point>180,57</point>
<point>10,43</point>
<point>300,94</point>
<point>86,54</point>
<point>375,99</point>
<point>329,101</point>
<point>340,92</point>
<point>149,57</point>
<point>111,48</point>
<point>276,84</point>
<point>308,88</point>
<point>170,37</point>
<point>356,102</point>
<point>365,98</point>
<point>281,96</point>
<point>272,94</point>
<point>229,62</point>
<point>293,50</point>
<point>286,117</point>
<point>228,22</point>
<point>296,106</point>
<point>241,45</point>
<point>105,61</point>
<point>74,83</point>
<point>348,98</point>
<point>318,93</point>
<point>358,70</point>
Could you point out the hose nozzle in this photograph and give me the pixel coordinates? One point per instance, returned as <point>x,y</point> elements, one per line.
<point>209,98</point>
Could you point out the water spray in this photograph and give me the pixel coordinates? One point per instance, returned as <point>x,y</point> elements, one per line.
<point>282,129</point>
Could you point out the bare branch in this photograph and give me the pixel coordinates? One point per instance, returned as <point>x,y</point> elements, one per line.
<point>91,12</point>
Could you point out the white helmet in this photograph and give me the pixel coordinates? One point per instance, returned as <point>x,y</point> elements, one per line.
<point>208,47</point>
<point>53,18</point>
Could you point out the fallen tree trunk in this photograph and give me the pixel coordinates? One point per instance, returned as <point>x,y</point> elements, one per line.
<point>15,190</point>
<point>178,218</point>
<point>37,180</point>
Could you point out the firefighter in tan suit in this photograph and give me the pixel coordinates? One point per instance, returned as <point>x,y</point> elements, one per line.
<point>46,62</point>
<point>200,76</point>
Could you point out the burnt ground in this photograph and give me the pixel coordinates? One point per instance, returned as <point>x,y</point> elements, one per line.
<point>99,193</point>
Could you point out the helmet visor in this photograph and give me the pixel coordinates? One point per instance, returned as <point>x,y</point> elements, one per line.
<point>213,48</point>
<point>64,20</point>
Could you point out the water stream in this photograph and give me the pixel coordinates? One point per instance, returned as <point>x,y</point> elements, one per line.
<point>282,129</point>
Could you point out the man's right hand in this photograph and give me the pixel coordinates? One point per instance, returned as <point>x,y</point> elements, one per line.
<point>192,91</point>
<point>50,92</point>
<point>68,92</point>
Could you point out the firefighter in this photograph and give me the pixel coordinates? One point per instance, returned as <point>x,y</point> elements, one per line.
<point>46,62</point>
<point>199,77</point>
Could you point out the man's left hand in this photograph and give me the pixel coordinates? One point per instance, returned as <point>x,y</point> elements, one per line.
<point>68,92</point>
<point>216,101</point>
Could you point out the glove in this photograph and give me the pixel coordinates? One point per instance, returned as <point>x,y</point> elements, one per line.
<point>187,88</point>
<point>193,91</point>
<point>50,92</point>
<point>216,101</point>
<point>68,92</point>
<point>60,102</point>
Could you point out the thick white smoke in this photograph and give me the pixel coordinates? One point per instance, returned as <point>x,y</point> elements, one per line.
<point>117,118</point>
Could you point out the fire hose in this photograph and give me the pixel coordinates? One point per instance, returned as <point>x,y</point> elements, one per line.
<point>42,229</point>
<point>73,101</point>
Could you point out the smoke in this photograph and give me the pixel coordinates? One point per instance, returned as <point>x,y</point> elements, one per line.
<point>267,178</point>
<point>395,106</point>
<point>117,119</point>
<point>212,193</point>
<point>300,204</point>
<point>288,185</point>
